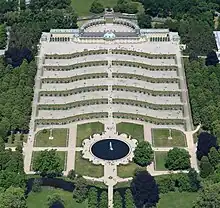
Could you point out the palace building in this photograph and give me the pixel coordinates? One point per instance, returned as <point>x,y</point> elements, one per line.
<point>110,68</point>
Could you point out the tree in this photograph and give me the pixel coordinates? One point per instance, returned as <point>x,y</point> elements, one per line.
<point>144,20</point>
<point>117,200</point>
<point>93,198</point>
<point>205,167</point>
<point>54,199</point>
<point>103,199</point>
<point>194,180</point>
<point>144,195</point>
<point>182,182</point>
<point>36,187</point>
<point>71,174</point>
<point>126,6</point>
<point>165,183</point>
<point>193,56</point>
<point>48,163</point>
<point>205,142</point>
<point>143,154</point>
<point>177,159</point>
<point>211,59</point>
<point>3,36</point>
<point>208,197</point>
<point>129,202</point>
<point>2,144</point>
<point>214,157</point>
<point>96,7</point>
<point>13,197</point>
<point>81,191</point>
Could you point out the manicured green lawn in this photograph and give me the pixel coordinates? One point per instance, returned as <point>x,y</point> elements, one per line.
<point>160,160</point>
<point>160,138</point>
<point>61,154</point>
<point>177,200</point>
<point>86,130</point>
<point>39,200</point>
<point>136,131</point>
<point>17,140</point>
<point>86,168</point>
<point>126,171</point>
<point>60,138</point>
<point>82,7</point>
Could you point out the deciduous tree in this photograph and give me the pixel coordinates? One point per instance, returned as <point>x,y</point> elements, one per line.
<point>194,180</point>
<point>81,191</point>
<point>143,154</point>
<point>54,199</point>
<point>208,197</point>
<point>96,7</point>
<point>144,189</point>
<point>13,197</point>
<point>48,163</point>
<point>177,159</point>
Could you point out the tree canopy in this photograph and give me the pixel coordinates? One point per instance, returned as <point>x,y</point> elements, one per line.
<point>3,36</point>
<point>13,197</point>
<point>209,197</point>
<point>177,159</point>
<point>126,6</point>
<point>48,163</point>
<point>143,154</point>
<point>204,93</point>
<point>205,142</point>
<point>144,189</point>
<point>97,7</point>
<point>16,91</point>
<point>81,191</point>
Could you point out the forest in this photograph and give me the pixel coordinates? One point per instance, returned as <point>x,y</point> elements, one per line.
<point>204,92</point>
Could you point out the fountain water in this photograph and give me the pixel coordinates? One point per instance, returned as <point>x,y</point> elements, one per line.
<point>110,146</point>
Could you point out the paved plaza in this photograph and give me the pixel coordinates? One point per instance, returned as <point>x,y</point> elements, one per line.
<point>127,74</point>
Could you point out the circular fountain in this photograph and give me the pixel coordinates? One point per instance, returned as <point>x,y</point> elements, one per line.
<point>110,149</point>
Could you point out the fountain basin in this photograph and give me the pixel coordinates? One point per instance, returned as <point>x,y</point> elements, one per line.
<point>102,150</point>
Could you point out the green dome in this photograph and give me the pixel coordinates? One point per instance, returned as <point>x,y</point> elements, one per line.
<point>109,35</point>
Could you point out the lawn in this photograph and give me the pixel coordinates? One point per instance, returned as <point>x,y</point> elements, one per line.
<point>86,130</point>
<point>160,138</point>
<point>60,138</point>
<point>127,171</point>
<point>82,7</point>
<point>177,200</point>
<point>136,131</point>
<point>160,160</point>
<point>39,200</point>
<point>61,154</point>
<point>17,140</point>
<point>86,168</point>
